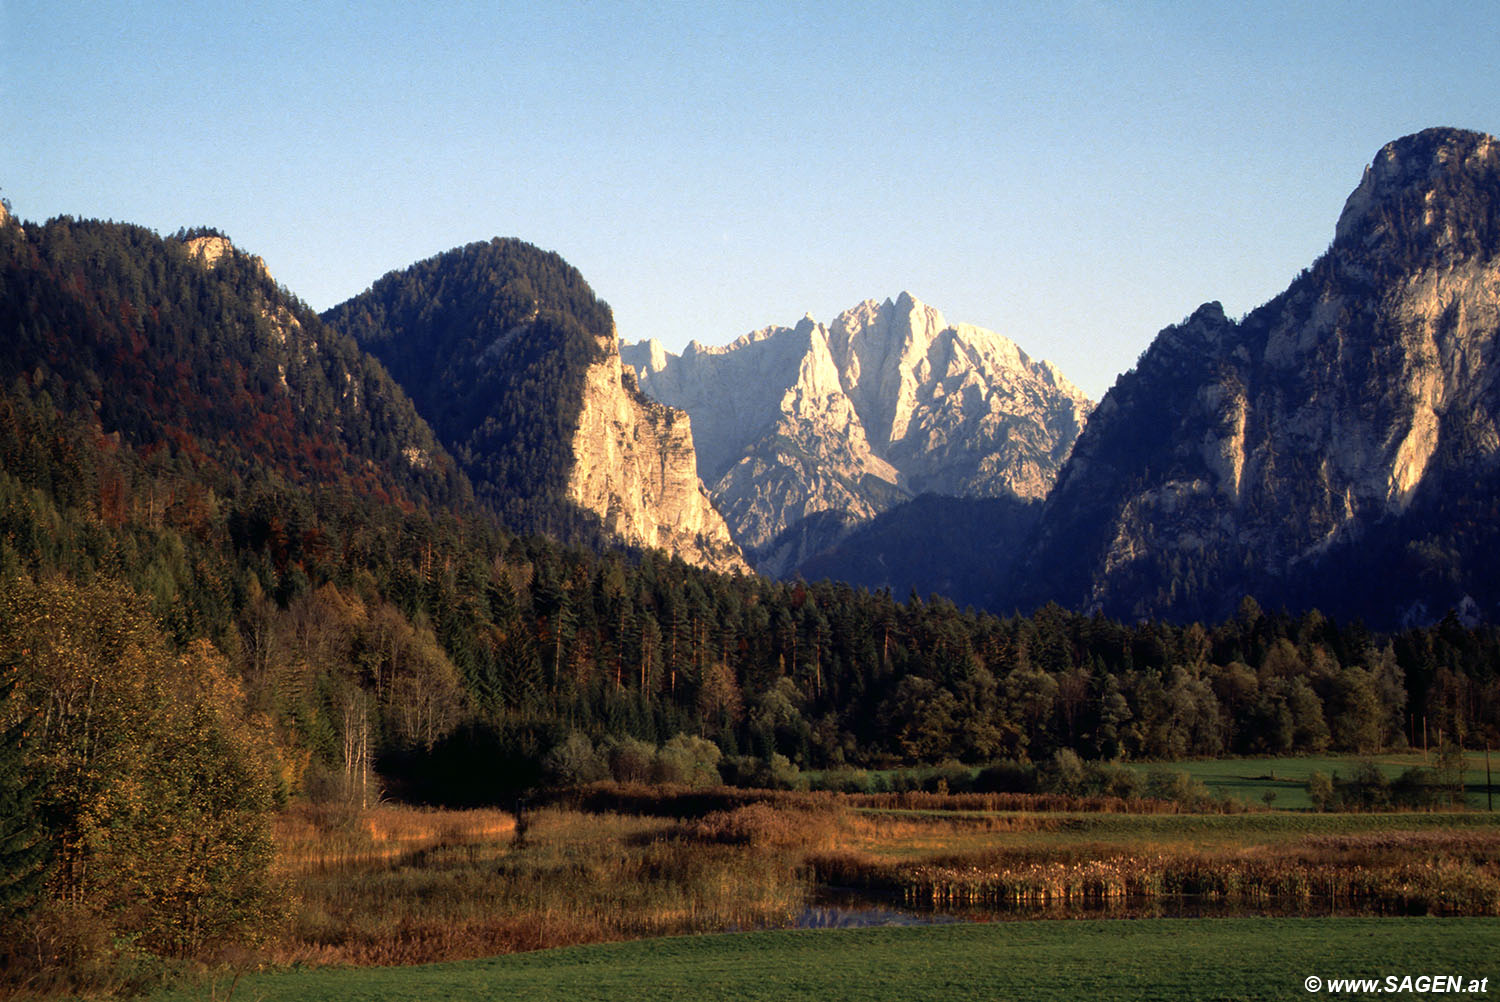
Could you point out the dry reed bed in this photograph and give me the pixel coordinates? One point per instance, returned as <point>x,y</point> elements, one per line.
<point>580,878</point>
<point>311,837</point>
<point>403,885</point>
<point>1425,876</point>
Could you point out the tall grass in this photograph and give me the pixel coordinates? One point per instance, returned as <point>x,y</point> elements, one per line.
<point>403,885</point>
<point>1409,873</point>
<point>579,878</point>
<point>312,836</point>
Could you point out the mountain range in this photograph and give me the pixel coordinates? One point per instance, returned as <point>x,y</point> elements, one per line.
<point>848,420</point>
<point>1337,447</point>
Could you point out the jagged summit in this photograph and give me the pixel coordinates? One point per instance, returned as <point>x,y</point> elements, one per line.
<point>1335,447</point>
<point>887,402</point>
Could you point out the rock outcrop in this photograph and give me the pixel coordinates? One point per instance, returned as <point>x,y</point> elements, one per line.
<point>515,362</point>
<point>634,466</point>
<point>209,250</point>
<point>887,402</point>
<point>1337,447</point>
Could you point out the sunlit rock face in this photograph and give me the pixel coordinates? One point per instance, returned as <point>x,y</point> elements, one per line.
<point>1336,428</point>
<point>516,364</point>
<point>634,467</point>
<point>887,402</point>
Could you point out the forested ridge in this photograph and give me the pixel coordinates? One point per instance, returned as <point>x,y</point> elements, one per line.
<point>492,341</point>
<point>231,580</point>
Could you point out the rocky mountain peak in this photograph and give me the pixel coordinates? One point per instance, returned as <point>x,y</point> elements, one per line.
<point>517,366</point>
<point>887,402</point>
<point>1297,452</point>
<point>1417,184</point>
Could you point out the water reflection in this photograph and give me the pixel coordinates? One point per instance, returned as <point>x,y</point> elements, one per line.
<point>836,907</point>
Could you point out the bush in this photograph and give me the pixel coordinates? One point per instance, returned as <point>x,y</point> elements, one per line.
<point>1179,787</point>
<point>1419,789</point>
<point>1065,773</point>
<point>575,762</point>
<point>1320,790</point>
<point>1369,790</point>
<point>688,761</point>
<point>1112,779</point>
<point>1007,776</point>
<point>848,780</point>
<point>630,760</point>
<point>775,773</point>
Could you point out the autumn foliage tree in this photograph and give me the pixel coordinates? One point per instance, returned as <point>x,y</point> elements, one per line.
<point>155,787</point>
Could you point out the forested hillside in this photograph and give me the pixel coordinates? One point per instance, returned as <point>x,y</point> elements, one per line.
<point>492,341</point>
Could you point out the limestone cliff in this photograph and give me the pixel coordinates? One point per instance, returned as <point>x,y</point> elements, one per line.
<point>1336,447</point>
<point>514,361</point>
<point>887,402</point>
<point>635,467</point>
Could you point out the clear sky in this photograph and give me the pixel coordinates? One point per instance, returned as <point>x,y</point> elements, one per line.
<point>1074,175</point>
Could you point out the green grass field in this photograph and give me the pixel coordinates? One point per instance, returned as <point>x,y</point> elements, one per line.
<point>1249,779</point>
<point>1033,961</point>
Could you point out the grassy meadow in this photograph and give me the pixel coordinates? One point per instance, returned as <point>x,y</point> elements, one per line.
<point>615,892</point>
<point>1250,779</point>
<point>1249,958</point>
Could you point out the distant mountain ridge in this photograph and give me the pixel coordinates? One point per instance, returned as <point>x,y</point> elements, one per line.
<point>1337,447</point>
<point>887,402</point>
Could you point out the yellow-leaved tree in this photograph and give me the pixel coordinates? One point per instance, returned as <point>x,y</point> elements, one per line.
<point>156,787</point>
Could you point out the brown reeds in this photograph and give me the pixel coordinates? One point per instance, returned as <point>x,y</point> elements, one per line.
<point>1405,882</point>
<point>580,878</point>
<point>402,885</point>
<point>316,836</point>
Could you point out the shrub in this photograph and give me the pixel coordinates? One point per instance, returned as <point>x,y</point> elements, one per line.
<point>688,761</point>
<point>1320,790</point>
<point>1007,776</point>
<point>575,762</point>
<point>1419,789</point>
<point>1178,787</point>
<point>1368,790</point>
<point>1112,779</point>
<point>630,760</point>
<point>1066,772</point>
<point>775,773</point>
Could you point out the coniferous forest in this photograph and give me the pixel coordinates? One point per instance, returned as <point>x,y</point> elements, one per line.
<point>240,570</point>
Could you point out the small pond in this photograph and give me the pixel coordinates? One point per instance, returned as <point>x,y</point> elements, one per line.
<point>837,908</point>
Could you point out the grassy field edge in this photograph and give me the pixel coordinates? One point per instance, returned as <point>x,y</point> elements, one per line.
<point>1249,958</point>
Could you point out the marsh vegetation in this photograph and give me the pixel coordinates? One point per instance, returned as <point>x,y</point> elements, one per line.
<point>616,861</point>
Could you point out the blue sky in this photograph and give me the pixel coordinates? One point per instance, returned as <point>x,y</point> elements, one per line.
<point>1074,175</point>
